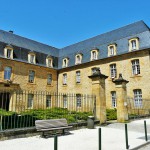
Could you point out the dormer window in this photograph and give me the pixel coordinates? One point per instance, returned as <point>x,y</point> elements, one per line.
<point>133,44</point>
<point>49,61</point>
<point>8,52</point>
<point>78,59</point>
<point>65,62</point>
<point>32,58</point>
<point>112,50</point>
<point>94,54</point>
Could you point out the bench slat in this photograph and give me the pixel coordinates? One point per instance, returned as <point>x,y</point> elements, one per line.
<point>51,129</point>
<point>51,124</point>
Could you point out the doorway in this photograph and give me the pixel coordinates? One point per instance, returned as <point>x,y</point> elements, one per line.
<point>4,100</point>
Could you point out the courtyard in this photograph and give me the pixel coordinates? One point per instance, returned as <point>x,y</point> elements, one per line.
<point>113,138</point>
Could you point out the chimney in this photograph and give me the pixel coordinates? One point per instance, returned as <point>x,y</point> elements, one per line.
<point>11,31</point>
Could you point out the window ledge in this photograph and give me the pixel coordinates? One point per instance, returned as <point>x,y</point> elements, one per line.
<point>78,83</point>
<point>49,85</point>
<point>77,63</point>
<point>136,75</point>
<point>111,79</point>
<point>30,83</point>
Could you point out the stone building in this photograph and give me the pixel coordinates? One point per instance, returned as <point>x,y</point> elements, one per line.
<point>29,65</point>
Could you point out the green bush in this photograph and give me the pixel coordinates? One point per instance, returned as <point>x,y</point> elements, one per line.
<point>111,114</point>
<point>28,117</point>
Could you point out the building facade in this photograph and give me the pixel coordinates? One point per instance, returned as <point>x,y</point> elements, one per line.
<point>29,65</point>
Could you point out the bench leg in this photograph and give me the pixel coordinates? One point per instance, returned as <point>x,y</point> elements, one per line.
<point>63,131</point>
<point>43,134</point>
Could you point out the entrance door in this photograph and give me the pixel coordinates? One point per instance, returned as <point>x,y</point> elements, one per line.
<point>4,100</point>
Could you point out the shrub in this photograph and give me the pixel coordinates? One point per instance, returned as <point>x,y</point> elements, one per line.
<point>111,114</point>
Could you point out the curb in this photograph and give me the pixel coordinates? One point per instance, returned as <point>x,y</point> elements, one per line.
<point>140,146</point>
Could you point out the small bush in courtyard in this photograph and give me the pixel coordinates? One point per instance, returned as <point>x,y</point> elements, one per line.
<point>111,114</point>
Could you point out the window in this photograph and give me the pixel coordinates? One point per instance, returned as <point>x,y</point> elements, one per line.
<point>78,77</point>
<point>65,101</point>
<point>48,101</point>
<point>78,59</point>
<point>49,79</point>
<point>8,52</point>
<point>31,58</point>
<point>113,71</point>
<point>112,50</point>
<point>65,62</point>
<point>113,99</point>
<point>137,98</point>
<point>7,73</point>
<point>78,98</point>
<point>94,54</point>
<point>30,101</point>
<point>49,61</point>
<point>133,44</point>
<point>31,76</point>
<point>135,67</point>
<point>64,79</point>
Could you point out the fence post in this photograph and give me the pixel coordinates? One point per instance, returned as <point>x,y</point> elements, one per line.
<point>100,140</point>
<point>55,142</point>
<point>145,127</point>
<point>126,136</point>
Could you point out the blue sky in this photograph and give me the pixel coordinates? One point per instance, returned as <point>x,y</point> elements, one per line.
<point>64,22</point>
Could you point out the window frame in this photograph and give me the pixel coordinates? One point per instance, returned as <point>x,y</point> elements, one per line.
<point>80,57</point>
<point>113,70</point>
<point>30,101</point>
<point>78,100</point>
<point>138,101</point>
<point>131,48</point>
<point>113,99</point>
<point>30,55</point>
<point>65,101</point>
<point>48,101</point>
<point>78,76</point>
<point>7,74</point>
<point>65,79</point>
<point>136,67</point>
<point>30,75</point>
<point>49,78</point>
<point>114,49</point>
<point>65,64</point>
<point>49,59</point>
<point>10,48</point>
<point>94,57</point>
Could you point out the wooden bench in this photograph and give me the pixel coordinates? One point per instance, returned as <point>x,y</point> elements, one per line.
<point>51,125</point>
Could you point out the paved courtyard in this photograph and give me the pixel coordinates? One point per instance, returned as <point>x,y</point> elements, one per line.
<point>113,138</point>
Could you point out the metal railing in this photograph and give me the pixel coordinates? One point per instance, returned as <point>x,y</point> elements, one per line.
<point>20,109</point>
<point>138,109</point>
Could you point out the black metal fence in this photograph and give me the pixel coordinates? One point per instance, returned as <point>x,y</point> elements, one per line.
<point>138,109</point>
<point>20,109</point>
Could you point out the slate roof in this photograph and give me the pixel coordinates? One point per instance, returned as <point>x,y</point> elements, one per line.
<point>22,42</point>
<point>119,36</point>
<point>109,37</point>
